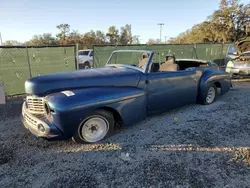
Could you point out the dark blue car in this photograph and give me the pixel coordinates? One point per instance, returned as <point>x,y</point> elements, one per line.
<point>86,105</point>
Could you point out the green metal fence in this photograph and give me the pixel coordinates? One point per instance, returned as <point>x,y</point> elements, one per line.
<point>19,63</point>
<point>212,52</point>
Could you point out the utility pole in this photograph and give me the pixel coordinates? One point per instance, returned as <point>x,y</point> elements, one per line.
<point>1,40</point>
<point>160,24</point>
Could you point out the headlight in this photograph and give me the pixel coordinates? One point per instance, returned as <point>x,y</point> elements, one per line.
<point>48,111</point>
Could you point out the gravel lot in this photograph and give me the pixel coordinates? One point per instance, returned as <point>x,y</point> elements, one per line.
<point>194,146</point>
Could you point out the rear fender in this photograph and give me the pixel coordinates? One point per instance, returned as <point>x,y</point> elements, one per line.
<point>214,77</point>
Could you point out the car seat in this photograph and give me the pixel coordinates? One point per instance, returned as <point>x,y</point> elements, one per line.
<point>169,65</point>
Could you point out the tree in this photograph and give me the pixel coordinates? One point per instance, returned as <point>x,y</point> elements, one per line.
<point>135,39</point>
<point>74,37</point>
<point>234,18</point>
<point>12,43</point>
<point>100,37</point>
<point>153,41</point>
<point>126,35</point>
<point>89,38</point>
<point>44,39</point>
<point>113,35</point>
<point>230,23</point>
<point>64,32</point>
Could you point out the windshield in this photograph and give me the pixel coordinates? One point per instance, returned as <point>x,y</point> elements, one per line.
<point>83,52</point>
<point>232,49</point>
<point>131,58</point>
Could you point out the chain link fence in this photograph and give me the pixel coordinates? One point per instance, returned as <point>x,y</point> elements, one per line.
<point>18,63</point>
<point>212,52</point>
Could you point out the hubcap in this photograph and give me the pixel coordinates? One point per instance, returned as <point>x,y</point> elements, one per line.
<point>210,95</point>
<point>94,129</point>
<point>86,66</point>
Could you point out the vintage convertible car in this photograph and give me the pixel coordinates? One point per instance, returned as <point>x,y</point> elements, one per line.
<point>86,105</point>
<point>239,64</point>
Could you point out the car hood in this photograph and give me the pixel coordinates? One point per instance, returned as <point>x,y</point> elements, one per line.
<point>243,45</point>
<point>96,77</point>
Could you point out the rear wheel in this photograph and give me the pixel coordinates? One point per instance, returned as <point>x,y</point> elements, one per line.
<point>211,95</point>
<point>97,126</point>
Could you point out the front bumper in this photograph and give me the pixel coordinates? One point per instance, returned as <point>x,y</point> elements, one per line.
<point>32,122</point>
<point>240,71</point>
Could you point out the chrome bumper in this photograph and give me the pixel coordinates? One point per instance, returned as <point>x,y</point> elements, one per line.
<point>241,71</point>
<point>32,123</point>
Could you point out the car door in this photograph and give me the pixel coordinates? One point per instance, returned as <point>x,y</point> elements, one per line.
<point>168,90</point>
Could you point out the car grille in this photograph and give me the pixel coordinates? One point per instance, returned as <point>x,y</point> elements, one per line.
<point>30,120</point>
<point>35,105</point>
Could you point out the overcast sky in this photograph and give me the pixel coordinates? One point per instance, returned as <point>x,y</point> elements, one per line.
<point>21,19</point>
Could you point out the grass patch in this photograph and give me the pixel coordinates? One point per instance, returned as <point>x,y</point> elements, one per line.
<point>242,155</point>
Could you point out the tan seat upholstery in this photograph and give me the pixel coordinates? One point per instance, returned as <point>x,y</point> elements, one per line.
<point>169,66</point>
<point>144,60</point>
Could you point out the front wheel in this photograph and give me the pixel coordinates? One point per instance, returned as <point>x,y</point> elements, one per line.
<point>97,126</point>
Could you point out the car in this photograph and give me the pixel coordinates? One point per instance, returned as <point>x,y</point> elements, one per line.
<point>85,58</point>
<point>87,105</point>
<point>239,64</point>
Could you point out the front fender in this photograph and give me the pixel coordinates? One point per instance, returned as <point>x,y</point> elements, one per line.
<point>69,111</point>
<point>90,97</point>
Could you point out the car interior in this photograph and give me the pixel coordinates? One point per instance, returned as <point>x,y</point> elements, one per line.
<point>171,64</point>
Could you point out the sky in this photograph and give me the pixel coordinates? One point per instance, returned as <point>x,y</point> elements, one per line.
<point>21,19</point>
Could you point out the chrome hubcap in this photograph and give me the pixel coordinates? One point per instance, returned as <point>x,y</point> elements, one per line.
<point>210,95</point>
<point>94,129</point>
<point>86,67</point>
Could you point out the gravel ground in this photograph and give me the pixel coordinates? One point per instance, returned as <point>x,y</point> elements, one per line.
<point>194,146</point>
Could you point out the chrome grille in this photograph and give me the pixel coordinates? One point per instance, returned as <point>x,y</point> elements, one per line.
<point>29,119</point>
<point>35,105</point>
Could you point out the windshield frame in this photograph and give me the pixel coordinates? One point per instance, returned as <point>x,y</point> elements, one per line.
<point>151,53</point>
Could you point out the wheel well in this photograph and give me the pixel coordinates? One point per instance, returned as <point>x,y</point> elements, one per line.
<point>117,116</point>
<point>86,62</point>
<point>217,84</point>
